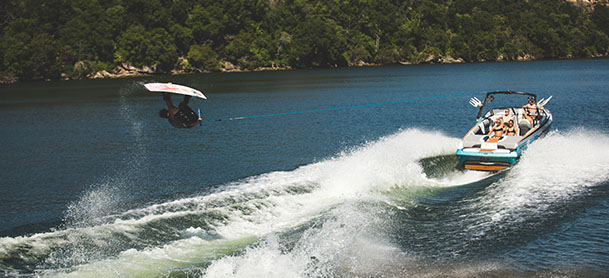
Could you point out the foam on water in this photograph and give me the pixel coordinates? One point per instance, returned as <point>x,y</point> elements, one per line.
<point>350,243</point>
<point>329,207</point>
<point>254,207</point>
<point>554,171</point>
<point>346,241</point>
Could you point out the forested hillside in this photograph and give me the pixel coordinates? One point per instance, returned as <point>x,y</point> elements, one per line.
<point>52,39</point>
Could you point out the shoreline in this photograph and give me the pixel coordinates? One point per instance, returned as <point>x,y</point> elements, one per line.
<point>125,71</point>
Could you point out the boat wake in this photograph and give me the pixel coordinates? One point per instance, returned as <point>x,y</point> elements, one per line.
<point>370,211</point>
<point>558,169</point>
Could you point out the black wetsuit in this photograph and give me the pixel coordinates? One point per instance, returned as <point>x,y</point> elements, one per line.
<point>185,117</point>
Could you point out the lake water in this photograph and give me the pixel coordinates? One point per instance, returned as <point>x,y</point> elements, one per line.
<point>94,184</point>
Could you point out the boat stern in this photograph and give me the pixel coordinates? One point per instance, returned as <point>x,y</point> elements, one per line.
<point>486,160</point>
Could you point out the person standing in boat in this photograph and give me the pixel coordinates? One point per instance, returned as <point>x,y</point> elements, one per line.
<point>507,116</point>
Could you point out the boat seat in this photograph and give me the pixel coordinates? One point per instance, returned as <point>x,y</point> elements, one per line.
<point>482,128</point>
<point>524,126</point>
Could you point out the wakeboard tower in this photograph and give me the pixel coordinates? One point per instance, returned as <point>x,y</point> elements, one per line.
<point>479,150</point>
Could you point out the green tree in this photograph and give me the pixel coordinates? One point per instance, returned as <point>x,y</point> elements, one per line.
<point>183,38</point>
<point>204,57</point>
<point>208,24</point>
<point>361,48</point>
<point>34,57</point>
<point>116,20</point>
<point>140,47</point>
<point>40,39</point>
<point>600,17</point>
<point>317,43</point>
<point>162,50</point>
<point>87,38</point>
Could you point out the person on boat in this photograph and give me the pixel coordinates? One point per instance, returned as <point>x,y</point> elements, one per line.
<point>510,129</point>
<point>181,116</point>
<point>507,116</point>
<point>530,110</point>
<point>497,130</point>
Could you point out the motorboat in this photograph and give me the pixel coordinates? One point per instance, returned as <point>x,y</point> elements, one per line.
<point>486,147</point>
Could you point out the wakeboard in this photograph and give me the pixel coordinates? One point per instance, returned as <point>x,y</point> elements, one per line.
<point>173,89</point>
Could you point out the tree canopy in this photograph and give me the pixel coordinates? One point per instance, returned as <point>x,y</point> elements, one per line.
<point>52,39</point>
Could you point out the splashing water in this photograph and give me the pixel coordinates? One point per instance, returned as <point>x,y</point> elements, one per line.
<point>554,169</point>
<point>331,218</point>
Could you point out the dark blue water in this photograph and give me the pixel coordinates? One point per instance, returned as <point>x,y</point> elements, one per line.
<point>94,183</point>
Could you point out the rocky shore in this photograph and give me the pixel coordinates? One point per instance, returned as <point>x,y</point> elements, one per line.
<point>7,78</point>
<point>127,70</point>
